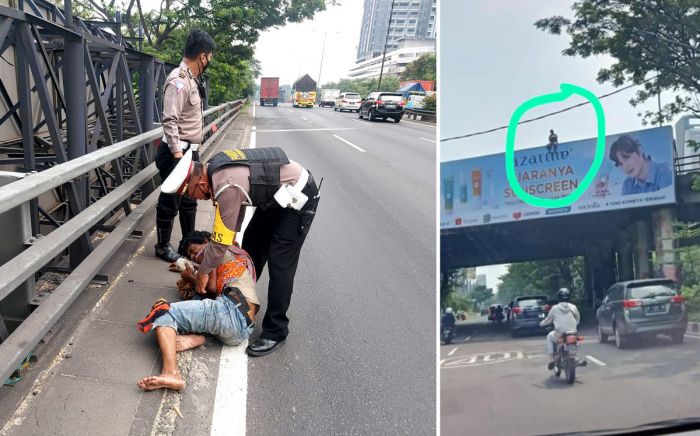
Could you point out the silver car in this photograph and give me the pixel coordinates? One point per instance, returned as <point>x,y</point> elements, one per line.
<point>642,308</point>
<point>348,101</point>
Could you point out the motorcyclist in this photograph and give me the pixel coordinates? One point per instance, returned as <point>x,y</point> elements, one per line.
<point>565,317</point>
<point>448,319</point>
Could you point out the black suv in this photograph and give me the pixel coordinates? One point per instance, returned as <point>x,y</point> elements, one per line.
<point>527,312</point>
<point>642,307</point>
<point>382,105</point>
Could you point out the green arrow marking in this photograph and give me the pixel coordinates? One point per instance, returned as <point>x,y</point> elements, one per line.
<point>567,90</point>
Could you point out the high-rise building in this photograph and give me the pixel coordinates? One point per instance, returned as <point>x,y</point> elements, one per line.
<point>415,19</point>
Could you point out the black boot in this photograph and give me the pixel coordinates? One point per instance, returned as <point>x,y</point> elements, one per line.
<point>164,250</point>
<point>187,219</point>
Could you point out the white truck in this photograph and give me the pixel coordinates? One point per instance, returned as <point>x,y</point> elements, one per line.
<point>328,97</point>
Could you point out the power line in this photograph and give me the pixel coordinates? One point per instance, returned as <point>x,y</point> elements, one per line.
<point>483,132</point>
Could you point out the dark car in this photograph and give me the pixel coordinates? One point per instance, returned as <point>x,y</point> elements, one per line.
<point>642,307</point>
<point>527,312</point>
<point>382,105</point>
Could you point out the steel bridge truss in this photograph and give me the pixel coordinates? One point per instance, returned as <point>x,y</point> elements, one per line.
<point>93,89</point>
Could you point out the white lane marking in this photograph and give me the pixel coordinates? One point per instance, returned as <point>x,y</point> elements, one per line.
<point>481,359</point>
<point>453,351</point>
<point>231,399</point>
<point>304,118</point>
<point>418,124</point>
<point>323,129</point>
<point>231,392</point>
<point>467,338</point>
<point>429,140</point>
<point>596,361</point>
<point>349,143</point>
<point>290,110</point>
<point>364,122</point>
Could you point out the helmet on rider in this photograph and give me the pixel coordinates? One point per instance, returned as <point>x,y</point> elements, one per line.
<point>563,295</point>
<point>448,310</point>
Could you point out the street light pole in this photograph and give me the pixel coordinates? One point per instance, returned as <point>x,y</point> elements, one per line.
<point>386,41</point>
<point>320,68</point>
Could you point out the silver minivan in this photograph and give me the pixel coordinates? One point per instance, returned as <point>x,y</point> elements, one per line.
<point>642,308</point>
<point>348,101</point>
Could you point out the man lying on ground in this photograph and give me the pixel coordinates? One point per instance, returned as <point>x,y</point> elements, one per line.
<point>227,311</point>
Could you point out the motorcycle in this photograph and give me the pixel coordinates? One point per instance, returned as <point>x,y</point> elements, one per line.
<point>499,317</point>
<point>565,356</point>
<point>447,335</point>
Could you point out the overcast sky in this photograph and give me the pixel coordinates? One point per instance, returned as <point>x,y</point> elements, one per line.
<point>492,59</point>
<point>295,49</point>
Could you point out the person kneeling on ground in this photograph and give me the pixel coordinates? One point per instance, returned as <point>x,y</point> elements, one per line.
<point>227,311</point>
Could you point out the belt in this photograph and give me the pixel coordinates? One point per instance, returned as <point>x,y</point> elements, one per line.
<point>185,144</point>
<point>235,295</point>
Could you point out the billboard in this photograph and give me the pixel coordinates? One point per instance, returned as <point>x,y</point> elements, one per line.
<point>639,172</point>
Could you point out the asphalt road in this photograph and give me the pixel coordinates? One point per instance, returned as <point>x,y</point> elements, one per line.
<point>360,356</point>
<point>496,385</point>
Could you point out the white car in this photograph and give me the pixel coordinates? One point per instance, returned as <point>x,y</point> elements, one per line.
<point>348,101</point>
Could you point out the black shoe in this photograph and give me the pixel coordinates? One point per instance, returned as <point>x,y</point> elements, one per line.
<point>167,253</point>
<point>550,366</point>
<point>263,347</point>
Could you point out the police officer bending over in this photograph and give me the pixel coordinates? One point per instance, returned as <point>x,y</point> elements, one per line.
<point>285,196</point>
<point>182,128</point>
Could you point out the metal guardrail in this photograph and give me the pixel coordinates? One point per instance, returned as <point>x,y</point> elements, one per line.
<point>424,114</point>
<point>23,340</point>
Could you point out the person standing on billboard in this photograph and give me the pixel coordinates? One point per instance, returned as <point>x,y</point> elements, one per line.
<point>643,174</point>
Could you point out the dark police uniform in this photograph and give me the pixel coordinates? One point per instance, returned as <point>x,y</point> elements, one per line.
<point>275,234</point>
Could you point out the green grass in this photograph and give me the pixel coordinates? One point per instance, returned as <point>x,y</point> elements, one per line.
<point>694,316</point>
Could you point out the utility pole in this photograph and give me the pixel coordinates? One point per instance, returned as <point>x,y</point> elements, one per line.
<point>386,41</point>
<point>320,68</point>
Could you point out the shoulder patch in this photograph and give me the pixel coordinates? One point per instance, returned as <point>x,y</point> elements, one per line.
<point>179,85</point>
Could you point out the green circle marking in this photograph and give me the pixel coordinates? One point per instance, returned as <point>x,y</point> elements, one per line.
<point>567,90</point>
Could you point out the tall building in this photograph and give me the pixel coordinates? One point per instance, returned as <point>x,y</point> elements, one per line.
<point>415,19</point>
<point>396,60</point>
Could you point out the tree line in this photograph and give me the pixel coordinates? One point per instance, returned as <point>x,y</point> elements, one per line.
<point>235,26</point>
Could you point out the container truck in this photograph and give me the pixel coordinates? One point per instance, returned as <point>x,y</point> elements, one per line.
<point>269,90</point>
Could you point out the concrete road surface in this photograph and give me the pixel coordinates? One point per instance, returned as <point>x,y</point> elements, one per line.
<point>495,385</point>
<point>360,357</point>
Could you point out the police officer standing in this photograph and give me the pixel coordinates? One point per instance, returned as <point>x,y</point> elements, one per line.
<point>182,127</point>
<point>285,196</point>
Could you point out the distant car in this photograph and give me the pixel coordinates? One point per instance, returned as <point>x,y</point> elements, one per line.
<point>382,105</point>
<point>348,101</point>
<point>415,102</point>
<point>642,307</point>
<point>527,313</point>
